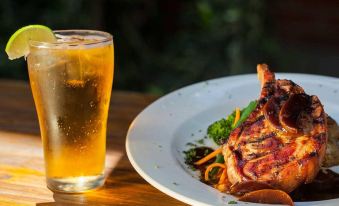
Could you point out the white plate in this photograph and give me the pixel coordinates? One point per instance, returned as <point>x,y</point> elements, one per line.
<point>157,137</point>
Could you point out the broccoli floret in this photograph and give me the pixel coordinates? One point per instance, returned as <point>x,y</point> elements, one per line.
<point>221,129</point>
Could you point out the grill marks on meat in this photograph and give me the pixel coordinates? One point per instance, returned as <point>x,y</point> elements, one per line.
<point>283,141</point>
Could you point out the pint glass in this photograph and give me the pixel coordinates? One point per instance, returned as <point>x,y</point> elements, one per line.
<point>71,81</point>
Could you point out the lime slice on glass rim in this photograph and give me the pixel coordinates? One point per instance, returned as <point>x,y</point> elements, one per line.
<point>18,45</point>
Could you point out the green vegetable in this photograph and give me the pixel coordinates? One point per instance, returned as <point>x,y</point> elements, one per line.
<point>232,202</point>
<point>246,112</point>
<point>190,156</point>
<point>194,154</point>
<point>220,130</point>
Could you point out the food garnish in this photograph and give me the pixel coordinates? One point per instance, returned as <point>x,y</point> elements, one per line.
<point>18,44</point>
<point>220,130</point>
<point>209,156</point>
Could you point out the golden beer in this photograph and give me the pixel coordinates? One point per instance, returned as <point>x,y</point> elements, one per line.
<point>71,82</point>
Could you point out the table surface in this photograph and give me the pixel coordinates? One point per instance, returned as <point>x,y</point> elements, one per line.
<point>22,180</point>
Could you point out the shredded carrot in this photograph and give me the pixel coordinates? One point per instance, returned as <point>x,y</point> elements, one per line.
<point>237,116</point>
<point>209,156</point>
<point>219,173</point>
<point>221,187</point>
<point>223,176</point>
<point>210,167</point>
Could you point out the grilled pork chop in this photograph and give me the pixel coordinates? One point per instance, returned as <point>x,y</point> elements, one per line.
<point>283,141</point>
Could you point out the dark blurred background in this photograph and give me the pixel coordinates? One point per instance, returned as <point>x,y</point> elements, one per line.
<point>162,45</point>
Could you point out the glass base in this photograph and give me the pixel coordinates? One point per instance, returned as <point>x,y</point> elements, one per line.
<point>75,184</point>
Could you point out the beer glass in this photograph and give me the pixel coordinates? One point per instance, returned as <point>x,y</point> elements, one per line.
<point>71,81</point>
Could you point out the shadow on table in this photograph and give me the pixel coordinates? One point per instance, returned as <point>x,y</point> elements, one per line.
<point>75,200</point>
<point>113,192</point>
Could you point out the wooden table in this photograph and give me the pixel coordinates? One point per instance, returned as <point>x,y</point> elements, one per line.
<point>22,180</point>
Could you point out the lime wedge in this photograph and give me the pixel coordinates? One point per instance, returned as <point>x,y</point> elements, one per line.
<point>18,45</point>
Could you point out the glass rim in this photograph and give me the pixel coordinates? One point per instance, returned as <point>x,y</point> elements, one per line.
<point>107,38</point>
